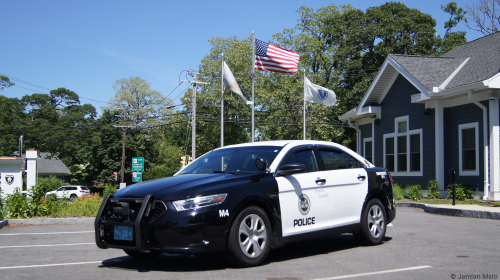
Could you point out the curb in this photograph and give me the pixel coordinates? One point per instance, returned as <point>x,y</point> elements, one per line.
<point>451,212</point>
<point>49,221</point>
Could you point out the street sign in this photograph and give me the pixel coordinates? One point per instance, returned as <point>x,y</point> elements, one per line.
<point>138,164</point>
<point>136,177</point>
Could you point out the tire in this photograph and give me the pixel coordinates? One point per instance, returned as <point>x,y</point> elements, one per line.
<point>249,238</point>
<point>373,224</point>
<point>72,197</point>
<point>139,255</point>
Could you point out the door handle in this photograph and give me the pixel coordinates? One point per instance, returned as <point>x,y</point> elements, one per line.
<point>361,177</point>
<point>320,181</point>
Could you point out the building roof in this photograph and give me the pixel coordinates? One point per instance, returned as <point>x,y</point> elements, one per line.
<point>469,63</point>
<point>48,164</point>
<point>484,61</point>
<point>430,71</point>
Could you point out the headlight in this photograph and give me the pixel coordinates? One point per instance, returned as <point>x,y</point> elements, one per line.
<point>198,202</point>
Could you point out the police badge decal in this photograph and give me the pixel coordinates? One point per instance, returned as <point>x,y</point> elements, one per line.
<point>9,179</point>
<point>304,204</point>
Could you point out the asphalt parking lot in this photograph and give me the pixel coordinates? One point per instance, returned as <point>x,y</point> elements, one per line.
<point>418,245</point>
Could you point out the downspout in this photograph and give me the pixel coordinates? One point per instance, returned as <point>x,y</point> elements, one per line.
<point>486,146</point>
<point>358,150</point>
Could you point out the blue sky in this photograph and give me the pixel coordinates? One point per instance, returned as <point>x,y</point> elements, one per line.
<point>85,46</point>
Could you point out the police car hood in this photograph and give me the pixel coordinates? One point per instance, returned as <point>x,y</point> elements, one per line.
<point>184,186</point>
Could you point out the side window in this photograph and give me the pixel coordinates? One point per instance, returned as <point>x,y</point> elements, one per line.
<point>306,158</point>
<point>333,159</point>
<point>351,162</point>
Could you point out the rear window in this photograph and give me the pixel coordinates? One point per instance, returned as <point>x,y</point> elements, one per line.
<point>85,188</point>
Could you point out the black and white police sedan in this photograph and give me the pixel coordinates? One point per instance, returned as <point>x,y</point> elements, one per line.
<point>246,199</point>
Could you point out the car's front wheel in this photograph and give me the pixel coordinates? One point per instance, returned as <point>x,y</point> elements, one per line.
<point>72,197</point>
<point>249,238</point>
<point>373,224</point>
<point>139,255</point>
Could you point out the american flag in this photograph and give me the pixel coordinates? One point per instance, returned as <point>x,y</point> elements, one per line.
<point>269,57</point>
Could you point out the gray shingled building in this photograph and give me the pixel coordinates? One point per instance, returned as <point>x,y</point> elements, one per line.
<point>49,165</point>
<point>422,116</point>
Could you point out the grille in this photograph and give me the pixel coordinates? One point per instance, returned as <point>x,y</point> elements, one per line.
<point>160,208</point>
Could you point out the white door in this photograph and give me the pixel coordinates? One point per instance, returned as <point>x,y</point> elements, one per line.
<point>347,183</point>
<point>304,200</point>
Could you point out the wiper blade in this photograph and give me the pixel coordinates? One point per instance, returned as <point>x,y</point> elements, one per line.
<point>230,172</point>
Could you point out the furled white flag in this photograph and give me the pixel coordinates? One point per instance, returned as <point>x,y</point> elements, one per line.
<point>230,82</point>
<point>318,94</point>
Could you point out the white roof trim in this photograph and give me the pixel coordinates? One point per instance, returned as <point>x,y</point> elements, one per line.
<point>442,87</point>
<point>387,88</point>
<point>493,82</point>
<point>389,60</point>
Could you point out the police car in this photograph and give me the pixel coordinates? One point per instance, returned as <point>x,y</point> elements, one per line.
<point>246,199</point>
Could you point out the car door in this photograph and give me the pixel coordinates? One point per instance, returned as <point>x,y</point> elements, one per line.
<point>347,181</point>
<point>303,198</point>
<point>60,192</point>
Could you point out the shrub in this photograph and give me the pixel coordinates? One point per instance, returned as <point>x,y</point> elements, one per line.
<point>462,191</point>
<point>399,192</point>
<point>109,189</point>
<point>414,192</point>
<point>432,188</point>
<point>85,206</point>
<point>16,205</point>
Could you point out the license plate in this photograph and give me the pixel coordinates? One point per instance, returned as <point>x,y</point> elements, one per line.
<point>124,233</point>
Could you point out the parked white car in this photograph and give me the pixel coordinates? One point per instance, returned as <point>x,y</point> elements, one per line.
<point>70,192</point>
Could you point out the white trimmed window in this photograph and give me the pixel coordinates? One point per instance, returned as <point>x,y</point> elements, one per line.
<point>368,149</point>
<point>468,149</point>
<point>403,149</point>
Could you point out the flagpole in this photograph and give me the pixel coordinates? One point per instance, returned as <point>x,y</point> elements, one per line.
<point>253,83</point>
<point>222,102</point>
<point>304,104</point>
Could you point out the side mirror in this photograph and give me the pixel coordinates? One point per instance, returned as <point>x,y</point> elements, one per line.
<point>292,168</point>
<point>261,164</point>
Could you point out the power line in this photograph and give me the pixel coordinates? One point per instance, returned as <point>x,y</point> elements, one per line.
<point>88,136</point>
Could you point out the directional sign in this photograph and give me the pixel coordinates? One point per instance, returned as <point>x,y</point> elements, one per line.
<point>136,177</point>
<point>138,164</point>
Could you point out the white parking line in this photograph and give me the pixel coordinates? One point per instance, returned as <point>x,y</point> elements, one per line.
<point>375,273</point>
<point>51,245</point>
<point>47,265</point>
<point>28,233</point>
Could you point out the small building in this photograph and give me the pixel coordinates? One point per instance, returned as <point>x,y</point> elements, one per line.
<point>51,166</point>
<point>11,176</point>
<point>423,116</point>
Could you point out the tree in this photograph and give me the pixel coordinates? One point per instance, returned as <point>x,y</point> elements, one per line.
<point>484,16</point>
<point>147,107</point>
<point>453,39</point>
<point>5,82</point>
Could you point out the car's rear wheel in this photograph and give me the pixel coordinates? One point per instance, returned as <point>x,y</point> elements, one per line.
<point>373,224</point>
<point>72,197</point>
<point>139,255</point>
<point>249,238</point>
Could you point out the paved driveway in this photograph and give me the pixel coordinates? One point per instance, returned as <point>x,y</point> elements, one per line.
<point>418,246</point>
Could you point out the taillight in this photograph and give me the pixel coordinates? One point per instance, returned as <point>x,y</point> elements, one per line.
<point>390,178</point>
<point>82,191</point>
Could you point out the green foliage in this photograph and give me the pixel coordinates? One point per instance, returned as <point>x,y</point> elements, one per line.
<point>85,206</point>
<point>17,205</point>
<point>109,189</point>
<point>414,192</point>
<point>399,192</point>
<point>462,191</point>
<point>456,15</point>
<point>5,82</point>
<point>432,188</point>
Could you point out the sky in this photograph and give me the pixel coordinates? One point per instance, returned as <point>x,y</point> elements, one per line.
<point>85,46</point>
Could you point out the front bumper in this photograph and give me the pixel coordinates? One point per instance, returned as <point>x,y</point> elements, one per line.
<point>157,226</point>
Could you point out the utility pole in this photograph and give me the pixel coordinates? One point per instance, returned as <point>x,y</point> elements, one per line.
<point>193,111</point>
<point>124,126</point>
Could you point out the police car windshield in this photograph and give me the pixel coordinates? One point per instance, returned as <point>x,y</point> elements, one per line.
<point>240,160</point>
